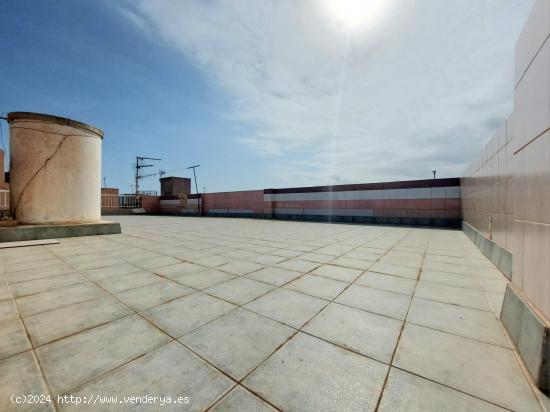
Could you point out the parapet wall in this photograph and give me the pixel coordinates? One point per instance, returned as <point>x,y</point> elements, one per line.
<point>433,202</point>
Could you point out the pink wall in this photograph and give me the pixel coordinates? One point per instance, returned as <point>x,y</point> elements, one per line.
<point>250,200</point>
<point>151,204</point>
<point>509,184</point>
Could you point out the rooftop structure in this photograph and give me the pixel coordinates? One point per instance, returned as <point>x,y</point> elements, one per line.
<point>258,315</point>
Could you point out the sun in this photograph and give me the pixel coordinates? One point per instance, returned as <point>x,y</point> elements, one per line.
<point>354,14</point>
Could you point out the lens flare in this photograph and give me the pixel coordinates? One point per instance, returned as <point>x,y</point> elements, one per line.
<point>355,14</point>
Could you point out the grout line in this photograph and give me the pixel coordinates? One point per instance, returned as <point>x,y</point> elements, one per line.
<point>384,385</point>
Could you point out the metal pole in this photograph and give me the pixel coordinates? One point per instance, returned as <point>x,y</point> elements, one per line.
<point>137,174</point>
<point>196,186</point>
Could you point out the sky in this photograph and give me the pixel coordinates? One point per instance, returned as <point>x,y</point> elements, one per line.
<point>267,94</point>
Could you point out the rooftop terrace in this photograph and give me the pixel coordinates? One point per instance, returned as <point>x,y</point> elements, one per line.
<point>251,315</point>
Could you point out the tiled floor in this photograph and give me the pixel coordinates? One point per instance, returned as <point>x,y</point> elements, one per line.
<point>252,315</point>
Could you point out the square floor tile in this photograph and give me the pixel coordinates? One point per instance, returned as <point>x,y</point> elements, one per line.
<point>5,292</point>
<point>72,361</point>
<point>316,257</point>
<point>240,267</point>
<point>337,273</point>
<point>450,279</point>
<point>241,400</point>
<point>395,270</point>
<point>298,265</point>
<point>246,338</point>
<point>308,374</point>
<point>154,294</point>
<point>126,282</point>
<point>156,263</point>
<point>274,276</point>
<point>385,303</point>
<point>40,285</point>
<point>372,335</point>
<point>317,286</point>
<point>8,310</point>
<point>111,271</point>
<point>187,313</point>
<point>286,306</point>
<point>170,371</point>
<point>240,254</point>
<point>33,274</point>
<point>390,283</point>
<point>358,254</point>
<point>454,295</point>
<point>204,278</point>
<point>20,375</point>
<point>405,392</point>
<point>239,291</point>
<point>267,259</point>
<point>68,320</point>
<point>178,270</point>
<point>13,338</point>
<point>460,320</point>
<point>213,261</point>
<point>486,371</point>
<point>57,298</point>
<point>352,263</point>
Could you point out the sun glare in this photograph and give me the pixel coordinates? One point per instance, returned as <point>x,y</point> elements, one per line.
<point>355,14</point>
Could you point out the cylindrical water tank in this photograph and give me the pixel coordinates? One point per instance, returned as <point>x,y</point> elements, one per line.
<point>55,169</point>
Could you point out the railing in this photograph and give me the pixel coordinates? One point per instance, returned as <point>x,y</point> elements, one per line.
<point>4,200</point>
<point>120,201</point>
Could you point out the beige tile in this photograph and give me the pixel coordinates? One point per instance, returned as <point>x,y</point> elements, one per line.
<point>451,279</point>
<point>377,301</point>
<point>372,335</point>
<point>390,283</point>
<point>395,270</point>
<point>298,265</point>
<point>466,365</point>
<point>274,276</point>
<point>308,374</point>
<point>72,361</point>
<point>51,282</point>
<point>20,375</point>
<point>203,279</point>
<point>153,294</point>
<point>286,306</point>
<point>13,338</point>
<point>169,371</point>
<point>33,274</point>
<point>8,310</point>
<point>241,400</point>
<point>240,268</point>
<point>454,295</point>
<point>317,286</point>
<point>54,324</point>
<point>111,271</point>
<point>248,339</point>
<point>57,298</point>
<point>126,282</point>
<point>267,259</point>
<point>344,274</point>
<point>155,263</point>
<point>198,308</point>
<point>239,291</point>
<point>405,392</point>
<point>459,320</point>
<point>347,262</point>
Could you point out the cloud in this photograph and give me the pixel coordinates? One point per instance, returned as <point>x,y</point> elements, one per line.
<point>424,88</point>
